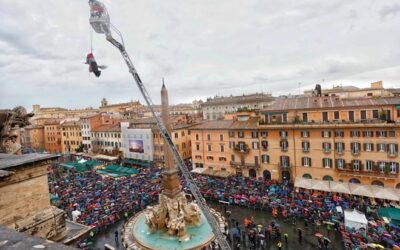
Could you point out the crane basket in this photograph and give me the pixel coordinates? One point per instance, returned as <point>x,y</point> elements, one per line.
<point>99,18</point>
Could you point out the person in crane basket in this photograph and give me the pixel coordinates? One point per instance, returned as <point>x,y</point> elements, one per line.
<point>93,67</point>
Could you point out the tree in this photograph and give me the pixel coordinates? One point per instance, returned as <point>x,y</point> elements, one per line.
<point>80,149</point>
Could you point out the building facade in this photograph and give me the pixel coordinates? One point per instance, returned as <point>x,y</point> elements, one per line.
<point>215,108</point>
<point>106,139</point>
<point>71,136</point>
<point>52,136</point>
<point>304,139</point>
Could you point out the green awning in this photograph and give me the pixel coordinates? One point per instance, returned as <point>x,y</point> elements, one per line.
<point>398,107</point>
<point>393,214</point>
<point>138,162</point>
<point>117,171</point>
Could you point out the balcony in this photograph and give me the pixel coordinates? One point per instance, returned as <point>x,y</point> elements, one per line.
<point>373,173</point>
<point>339,152</point>
<point>242,150</point>
<point>245,164</point>
<point>355,152</point>
<point>327,150</point>
<point>284,166</point>
<point>392,154</point>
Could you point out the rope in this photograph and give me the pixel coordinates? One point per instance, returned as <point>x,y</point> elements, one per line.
<point>91,40</point>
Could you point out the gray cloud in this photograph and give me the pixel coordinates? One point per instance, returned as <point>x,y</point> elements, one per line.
<point>202,48</point>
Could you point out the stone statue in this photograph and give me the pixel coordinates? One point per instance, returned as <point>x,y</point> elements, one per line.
<point>173,214</point>
<point>10,123</point>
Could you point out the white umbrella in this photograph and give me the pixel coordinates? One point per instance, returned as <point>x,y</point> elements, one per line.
<point>384,193</point>
<point>303,183</point>
<point>320,185</point>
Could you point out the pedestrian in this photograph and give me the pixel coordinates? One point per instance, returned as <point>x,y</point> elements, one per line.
<point>116,237</point>
<point>300,234</point>
<point>286,236</point>
<point>279,245</point>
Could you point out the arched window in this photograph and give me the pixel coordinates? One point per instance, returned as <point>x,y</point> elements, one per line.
<point>378,183</point>
<point>307,176</point>
<point>354,180</point>
<point>267,175</point>
<point>327,178</point>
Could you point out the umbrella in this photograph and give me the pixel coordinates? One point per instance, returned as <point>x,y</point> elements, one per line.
<point>318,235</point>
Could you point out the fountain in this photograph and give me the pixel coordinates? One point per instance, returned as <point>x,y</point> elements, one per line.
<point>174,223</point>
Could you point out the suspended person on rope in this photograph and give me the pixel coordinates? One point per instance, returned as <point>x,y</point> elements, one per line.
<point>93,66</point>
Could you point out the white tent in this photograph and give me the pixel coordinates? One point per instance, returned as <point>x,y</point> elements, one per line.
<point>361,190</point>
<point>320,185</point>
<point>82,161</point>
<point>198,170</point>
<point>340,187</point>
<point>356,219</point>
<point>384,193</point>
<point>303,183</point>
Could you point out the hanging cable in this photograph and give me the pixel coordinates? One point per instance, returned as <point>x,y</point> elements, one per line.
<point>91,41</point>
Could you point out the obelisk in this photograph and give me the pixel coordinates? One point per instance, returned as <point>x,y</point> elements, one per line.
<point>170,174</point>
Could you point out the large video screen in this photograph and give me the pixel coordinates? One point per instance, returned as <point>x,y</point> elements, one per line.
<point>136,146</point>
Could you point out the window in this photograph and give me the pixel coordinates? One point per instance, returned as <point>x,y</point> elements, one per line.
<point>355,147</point>
<point>355,133</point>
<point>327,162</point>
<point>326,147</point>
<point>392,149</point>
<point>255,145</point>
<point>391,133</point>
<point>221,137</point>
<point>368,147</point>
<point>183,133</point>
<point>368,133</point>
<point>336,115</point>
<point>340,163</point>
<point>209,147</point>
<point>197,137</point>
<point>254,134</point>
<point>285,161</point>
<point>284,145</point>
<point>305,117</point>
<point>240,134</point>
<point>339,147</point>
<point>363,114</point>
<point>382,165</point>
<point>339,133</point>
<point>351,116</point>
<point>375,114</point>
<point>393,167</point>
<point>326,134</point>
<point>231,144</point>
<point>306,161</point>
<point>264,145</point>
<point>381,147</point>
<point>197,147</point>
<point>325,117</point>
<point>305,134</point>
<point>231,134</point>
<point>305,145</point>
<point>356,165</point>
<point>256,160</point>
<point>208,137</point>
<point>283,134</point>
<point>369,165</point>
<point>241,146</point>
<point>264,134</point>
<point>233,158</point>
<point>265,158</point>
<point>222,159</point>
<point>210,158</point>
<point>222,148</point>
<point>381,133</point>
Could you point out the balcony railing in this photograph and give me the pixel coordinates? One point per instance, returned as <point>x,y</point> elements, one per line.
<point>392,154</point>
<point>245,164</point>
<point>286,166</point>
<point>354,152</point>
<point>244,149</point>
<point>375,173</point>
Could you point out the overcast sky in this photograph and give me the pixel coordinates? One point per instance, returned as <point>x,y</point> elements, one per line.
<point>202,48</point>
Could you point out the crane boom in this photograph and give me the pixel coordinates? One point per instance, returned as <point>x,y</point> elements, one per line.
<point>220,237</point>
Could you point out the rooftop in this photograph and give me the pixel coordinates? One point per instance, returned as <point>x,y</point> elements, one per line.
<point>301,103</point>
<point>9,160</point>
<point>108,128</point>
<point>11,239</point>
<point>222,100</point>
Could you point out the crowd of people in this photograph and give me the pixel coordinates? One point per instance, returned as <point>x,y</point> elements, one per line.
<point>101,201</point>
<point>315,209</point>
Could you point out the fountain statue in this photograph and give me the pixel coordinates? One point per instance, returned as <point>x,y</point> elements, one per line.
<point>11,121</point>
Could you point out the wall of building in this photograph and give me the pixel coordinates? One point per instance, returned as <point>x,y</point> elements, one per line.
<point>132,135</point>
